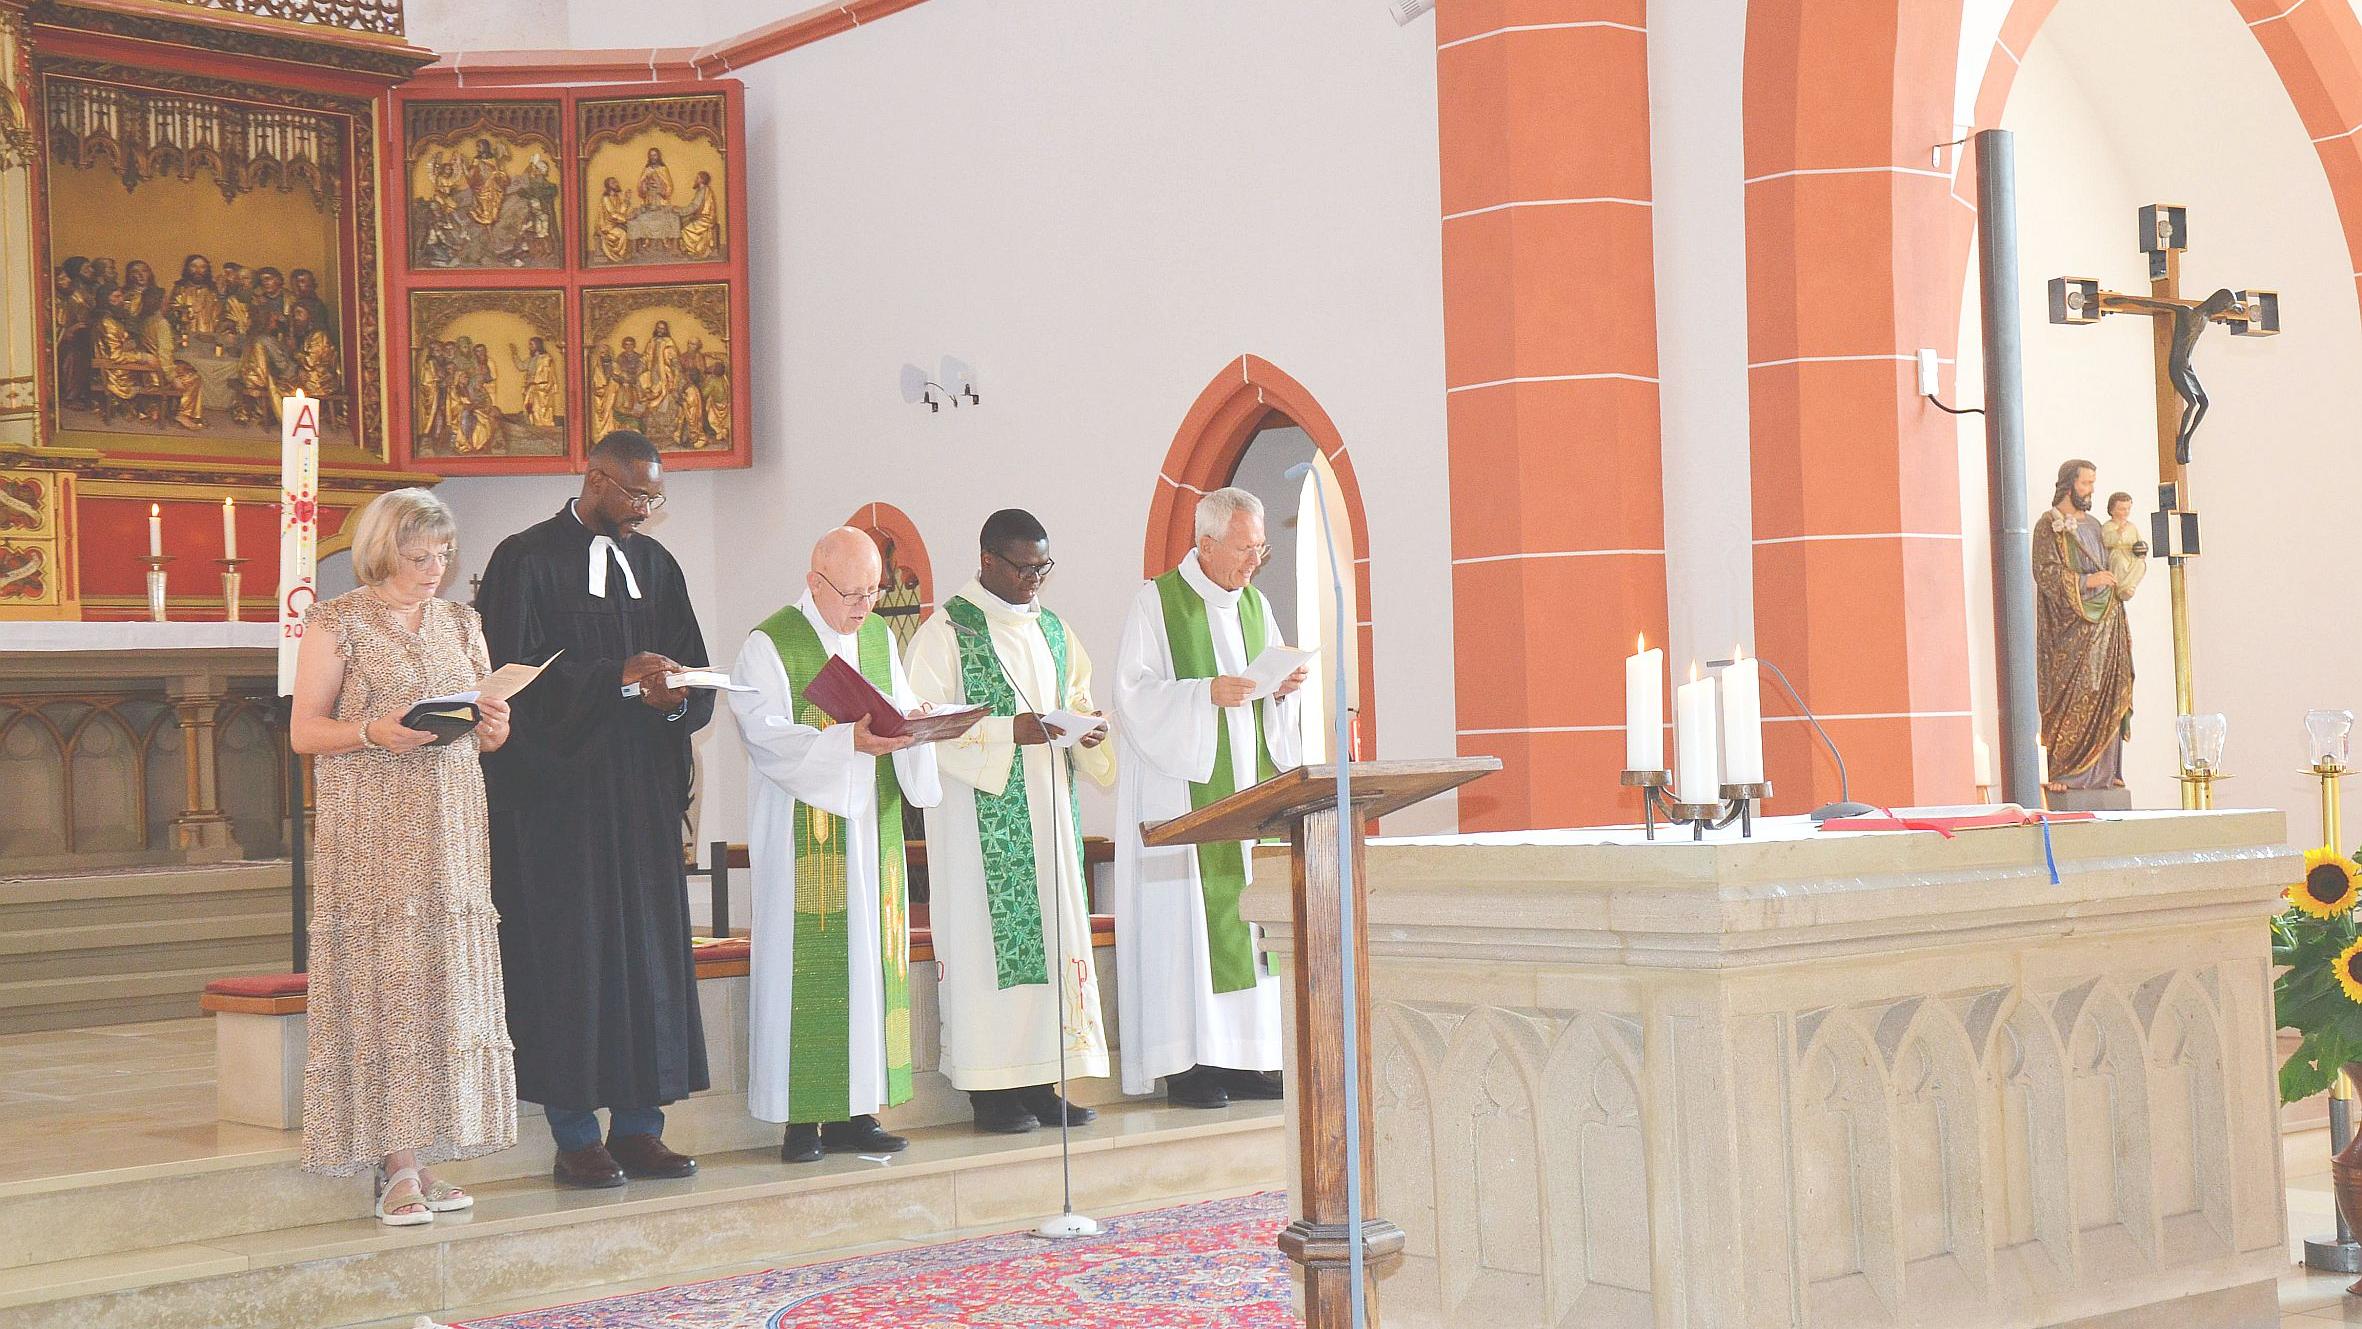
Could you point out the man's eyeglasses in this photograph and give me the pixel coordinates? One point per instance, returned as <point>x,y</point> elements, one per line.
<point>1029,571</point>
<point>639,499</point>
<point>1251,553</point>
<point>868,597</point>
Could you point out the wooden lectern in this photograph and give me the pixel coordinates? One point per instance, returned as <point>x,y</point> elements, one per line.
<point>1303,804</point>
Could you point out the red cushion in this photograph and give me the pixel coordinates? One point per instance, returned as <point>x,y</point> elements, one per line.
<point>262,985</point>
<point>725,948</point>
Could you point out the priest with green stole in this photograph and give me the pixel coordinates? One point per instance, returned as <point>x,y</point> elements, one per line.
<point>1195,1003</point>
<point>830,977</point>
<point>1007,905</point>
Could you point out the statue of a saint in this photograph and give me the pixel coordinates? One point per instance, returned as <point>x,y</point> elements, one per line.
<point>2083,649</point>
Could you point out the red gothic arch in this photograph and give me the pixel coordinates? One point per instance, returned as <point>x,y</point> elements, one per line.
<point>1205,454</point>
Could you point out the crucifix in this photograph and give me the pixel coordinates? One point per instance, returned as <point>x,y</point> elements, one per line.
<point>2176,322</point>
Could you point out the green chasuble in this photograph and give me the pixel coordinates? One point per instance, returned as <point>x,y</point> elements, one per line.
<point>1221,866</point>
<point>819,1056</point>
<point>1004,821</point>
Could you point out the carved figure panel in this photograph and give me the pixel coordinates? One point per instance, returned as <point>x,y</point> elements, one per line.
<point>487,373</point>
<point>483,185</point>
<point>655,180</point>
<point>658,359</point>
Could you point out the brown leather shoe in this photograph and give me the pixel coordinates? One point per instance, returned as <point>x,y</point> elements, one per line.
<point>645,1157</point>
<point>590,1169</point>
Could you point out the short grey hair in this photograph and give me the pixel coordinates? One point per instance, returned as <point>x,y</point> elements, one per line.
<point>394,519</point>
<point>1218,509</point>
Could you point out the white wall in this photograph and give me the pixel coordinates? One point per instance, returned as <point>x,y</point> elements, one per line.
<point>1098,207</point>
<point>2275,462</point>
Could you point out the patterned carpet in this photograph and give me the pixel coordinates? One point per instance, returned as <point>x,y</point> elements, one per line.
<point>1199,1266</point>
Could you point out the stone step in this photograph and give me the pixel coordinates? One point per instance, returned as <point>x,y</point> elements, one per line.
<point>525,1239</point>
<point>134,896</point>
<point>233,943</point>
<point>56,1003</point>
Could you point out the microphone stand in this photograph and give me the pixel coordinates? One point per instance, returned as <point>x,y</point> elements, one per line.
<point>1348,980</point>
<point>1844,806</point>
<point>1068,1223</point>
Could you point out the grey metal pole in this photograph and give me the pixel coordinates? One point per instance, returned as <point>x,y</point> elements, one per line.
<point>2005,467</point>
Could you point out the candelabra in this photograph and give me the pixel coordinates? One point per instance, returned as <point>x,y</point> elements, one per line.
<point>156,586</point>
<point>1737,803</point>
<point>2200,738</point>
<point>230,578</point>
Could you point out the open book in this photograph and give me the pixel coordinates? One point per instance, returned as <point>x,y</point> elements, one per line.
<point>844,696</point>
<point>449,717</point>
<point>1954,817</point>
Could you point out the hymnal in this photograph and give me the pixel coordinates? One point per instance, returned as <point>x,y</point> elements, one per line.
<point>449,717</point>
<point>844,696</point>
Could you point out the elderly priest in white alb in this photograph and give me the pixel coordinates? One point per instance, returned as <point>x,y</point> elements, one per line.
<point>830,978</point>
<point>1004,849</point>
<point>1195,1004</point>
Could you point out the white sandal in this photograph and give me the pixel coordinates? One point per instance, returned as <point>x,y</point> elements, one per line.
<point>421,1214</point>
<point>442,1197</point>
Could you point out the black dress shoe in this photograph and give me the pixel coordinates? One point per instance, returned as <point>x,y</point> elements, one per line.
<point>1002,1112</point>
<point>1197,1087</point>
<point>802,1144</point>
<point>861,1135</point>
<point>1253,1084</point>
<point>645,1157</point>
<point>587,1168</point>
<point>1043,1101</point>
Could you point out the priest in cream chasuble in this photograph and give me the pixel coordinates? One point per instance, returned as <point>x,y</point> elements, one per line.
<point>1007,900</point>
<point>1194,1002</point>
<point>830,974</point>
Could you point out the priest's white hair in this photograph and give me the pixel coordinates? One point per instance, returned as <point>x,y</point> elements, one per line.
<point>393,521</point>
<point>1221,507</point>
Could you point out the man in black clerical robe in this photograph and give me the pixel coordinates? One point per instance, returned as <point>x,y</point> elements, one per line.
<point>586,802</point>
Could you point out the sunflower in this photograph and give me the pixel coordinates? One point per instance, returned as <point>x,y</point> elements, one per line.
<point>2328,887</point>
<point>2349,972</point>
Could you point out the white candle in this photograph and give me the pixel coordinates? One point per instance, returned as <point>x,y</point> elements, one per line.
<point>1699,777</point>
<point>1983,756</point>
<point>1644,708</point>
<point>1742,721</point>
<point>229,528</point>
<point>155,530</point>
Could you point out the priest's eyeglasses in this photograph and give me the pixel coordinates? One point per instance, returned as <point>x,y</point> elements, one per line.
<point>868,597</point>
<point>1029,571</point>
<point>640,500</point>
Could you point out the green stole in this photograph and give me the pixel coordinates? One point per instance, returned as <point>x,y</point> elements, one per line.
<point>819,1033</point>
<point>1221,866</point>
<point>1004,821</point>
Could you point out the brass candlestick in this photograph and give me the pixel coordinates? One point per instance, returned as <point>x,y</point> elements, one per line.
<point>156,586</point>
<point>1737,804</point>
<point>230,578</point>
<point>2198,786</point>
<point>2329,771</point>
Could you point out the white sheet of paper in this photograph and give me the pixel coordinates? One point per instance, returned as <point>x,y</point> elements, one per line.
<point>704,678</point>
<point>455,699</point>
<point>1071,727</point>
<point>511,679</point>
<point>1270,669</point>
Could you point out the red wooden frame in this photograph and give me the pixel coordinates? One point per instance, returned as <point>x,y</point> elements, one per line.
<point>571,279</point>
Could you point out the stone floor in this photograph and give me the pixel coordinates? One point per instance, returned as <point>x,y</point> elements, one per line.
<point>125,1099</point>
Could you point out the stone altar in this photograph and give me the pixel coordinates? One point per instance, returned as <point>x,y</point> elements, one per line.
<point>1823,1079</point>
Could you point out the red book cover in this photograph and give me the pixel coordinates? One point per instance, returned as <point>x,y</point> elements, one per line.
<point>845,696</point>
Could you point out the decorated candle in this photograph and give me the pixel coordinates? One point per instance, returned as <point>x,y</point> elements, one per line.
<point>1698,779</point>
<point>1644,708</point>
<point>1742,721</point>
<point>229,528</point>
<point>155,530</point>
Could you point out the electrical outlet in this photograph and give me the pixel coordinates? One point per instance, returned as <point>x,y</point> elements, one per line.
<point>1927,373</point>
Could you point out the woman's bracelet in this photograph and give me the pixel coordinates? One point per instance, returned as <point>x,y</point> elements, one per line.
<point>369,744</point>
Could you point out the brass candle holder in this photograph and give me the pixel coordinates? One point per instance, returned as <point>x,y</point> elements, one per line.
<point>2197,783</point>
<point>156,586</point>
<point>2329,771</point>
<point>230,579</point>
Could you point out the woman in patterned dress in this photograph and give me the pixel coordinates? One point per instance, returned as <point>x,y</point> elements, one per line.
<point>410,1059</point>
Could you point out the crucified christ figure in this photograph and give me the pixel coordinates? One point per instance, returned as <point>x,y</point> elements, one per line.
<point>2189,320</point>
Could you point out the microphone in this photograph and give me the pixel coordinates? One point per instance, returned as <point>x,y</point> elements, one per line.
<point>1348,981</point>
<point>1068,1223</point>
<point>1844,806</point>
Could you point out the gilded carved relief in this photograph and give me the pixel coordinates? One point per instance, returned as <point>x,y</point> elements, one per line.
<point>198,261</point>
<point>483,184</point>
<point>487,373</point>
<point>655,175</point>
<point>658,361</point>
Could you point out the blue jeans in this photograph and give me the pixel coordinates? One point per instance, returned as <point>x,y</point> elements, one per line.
<point>576,1129</point>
